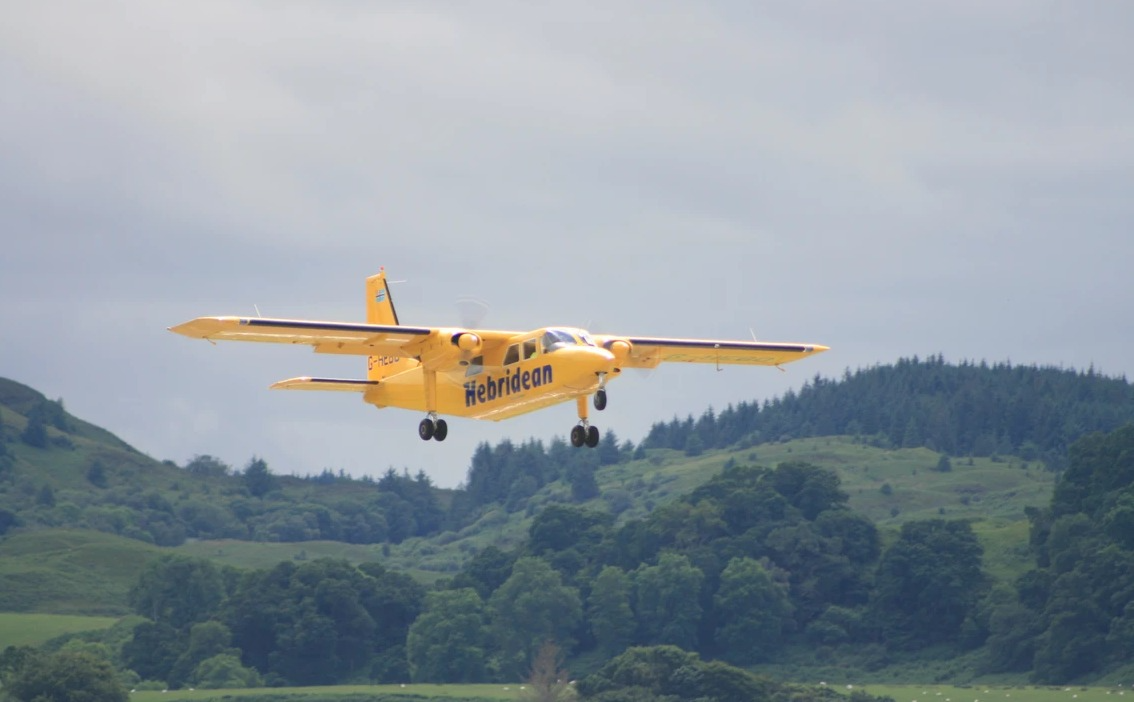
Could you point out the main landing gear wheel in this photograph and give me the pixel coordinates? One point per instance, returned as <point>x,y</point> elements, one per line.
<point>600,399</point>
<point>435,429</point>
<point>584,436</point>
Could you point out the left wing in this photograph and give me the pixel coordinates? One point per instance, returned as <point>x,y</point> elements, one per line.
<point>648,352</point>
<point>432,345</point>
<point>335,384</point>
<point>325,337</point>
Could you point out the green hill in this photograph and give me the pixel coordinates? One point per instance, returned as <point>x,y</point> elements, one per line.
<point>697,505</point>
<point>84,479</point>
<point>64,571</point>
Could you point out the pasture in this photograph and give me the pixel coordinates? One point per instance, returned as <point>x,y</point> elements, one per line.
<point>488,693</point>
<point>992,693</point>
<point>19,629</point>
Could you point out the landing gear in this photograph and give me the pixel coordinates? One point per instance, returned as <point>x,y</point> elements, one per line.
<point>583,434</point>
<point>600,399</point>
<point>432,428</point>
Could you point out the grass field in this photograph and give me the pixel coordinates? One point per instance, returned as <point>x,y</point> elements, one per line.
<point>440,692</point>
<point>980,693</point>
<point>63,571</point>
<point>900,693</point>
<point>34,629</point>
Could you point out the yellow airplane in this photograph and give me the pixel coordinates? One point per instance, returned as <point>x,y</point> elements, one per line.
<point>480,373</point>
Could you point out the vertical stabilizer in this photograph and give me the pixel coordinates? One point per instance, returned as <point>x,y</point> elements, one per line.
<point>379,303</point>
<point>380,310</point>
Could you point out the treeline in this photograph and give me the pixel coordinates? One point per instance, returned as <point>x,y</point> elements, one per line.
<point>1073,615</point>
<point>208,499</point>
<point>746,565</point>
<point>755,563</point>
<point>959,409</point>
<point>965,409</point>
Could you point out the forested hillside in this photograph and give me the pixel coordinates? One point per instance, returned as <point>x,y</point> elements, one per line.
<point>757,566</point>
<point>962,410</point>
<point>59,471</point>
<point>728,556</point>
<point>1075,612</point>
<point>56,470</point>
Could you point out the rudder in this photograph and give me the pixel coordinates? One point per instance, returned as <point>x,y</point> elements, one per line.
<point>379,303</point>
<point>380,310</point>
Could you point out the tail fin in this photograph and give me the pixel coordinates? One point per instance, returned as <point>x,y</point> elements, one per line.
<point>380,310</point>
<point>379,303</point>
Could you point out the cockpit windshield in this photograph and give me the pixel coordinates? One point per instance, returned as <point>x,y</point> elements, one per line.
<point>558,338</point>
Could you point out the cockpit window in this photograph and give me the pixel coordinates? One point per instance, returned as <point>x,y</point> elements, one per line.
<point>554,338</point>
<point>586,338</point>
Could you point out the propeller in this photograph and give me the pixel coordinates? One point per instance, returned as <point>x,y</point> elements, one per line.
<point>472,311</point>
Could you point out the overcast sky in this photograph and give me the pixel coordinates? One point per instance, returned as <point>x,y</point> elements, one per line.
<point>887,178</point>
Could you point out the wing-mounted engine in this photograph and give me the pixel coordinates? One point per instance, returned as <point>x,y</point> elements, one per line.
<point>470,345</point>
<point>622,349</point>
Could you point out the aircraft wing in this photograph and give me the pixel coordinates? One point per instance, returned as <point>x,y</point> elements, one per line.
<point>337,337</point>
<point>325,337</point>
<point>648,352</point>
<point>334,384</point>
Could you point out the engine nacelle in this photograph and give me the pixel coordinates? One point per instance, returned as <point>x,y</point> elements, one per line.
<point>468,342</point>
<point>620,348</point>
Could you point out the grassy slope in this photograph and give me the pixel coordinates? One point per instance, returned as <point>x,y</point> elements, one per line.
<point>991,494</point>
<point>34,629</point>
<point>69,571</point>
<point>82,572</point>
<point>425,692</point>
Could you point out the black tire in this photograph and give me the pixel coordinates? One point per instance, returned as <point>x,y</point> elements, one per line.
<point>578,435</point>
<point>592,437</point>
<point>425,429</point>
<point>600,400</point>
<point>441,430</point>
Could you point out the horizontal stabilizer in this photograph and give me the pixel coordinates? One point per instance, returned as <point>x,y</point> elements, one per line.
<point>334,384</point>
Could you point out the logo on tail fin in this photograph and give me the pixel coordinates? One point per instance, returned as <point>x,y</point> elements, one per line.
<point>381,296</point>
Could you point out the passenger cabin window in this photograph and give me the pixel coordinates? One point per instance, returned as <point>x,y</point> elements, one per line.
<point>531,348</point>
<point>475,366</point>
<point>512,355</point>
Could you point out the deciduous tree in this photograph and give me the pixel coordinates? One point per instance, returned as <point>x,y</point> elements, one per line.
<point>531,607</point>
<point>449,641</point>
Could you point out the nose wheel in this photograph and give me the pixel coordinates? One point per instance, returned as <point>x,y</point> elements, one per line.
<point>433,428</point>
<point>600,399</point>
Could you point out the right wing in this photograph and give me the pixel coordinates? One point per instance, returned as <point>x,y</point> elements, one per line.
<point>649,352</point>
